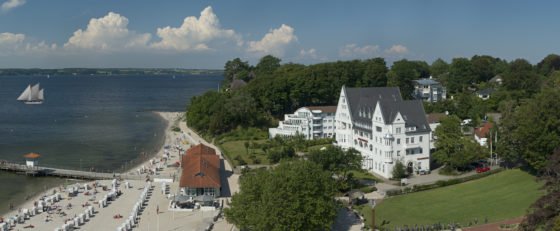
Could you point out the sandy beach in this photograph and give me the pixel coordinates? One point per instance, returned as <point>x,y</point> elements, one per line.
<point>155,214</point>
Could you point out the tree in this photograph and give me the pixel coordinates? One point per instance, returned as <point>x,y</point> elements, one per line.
<point>267,65</point>
<point>531,131</point>
<point>375,74</point>
<point>549,64</point>
<point>483,67</point>
<point>403,72</point>
<point>438,68</point>
<point>545,212</point>
<point>285,152</point>
<point>337,161</point>
<point>296,195</point>
<point>236,68</point>
<point>399,170</point>
<point>461,75</point>
<point>452,149</point>
<point>521,77</point>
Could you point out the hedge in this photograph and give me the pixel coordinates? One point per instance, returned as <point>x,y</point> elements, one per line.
<point>440,183</point>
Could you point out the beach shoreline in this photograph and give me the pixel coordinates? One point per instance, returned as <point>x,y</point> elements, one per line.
<point>168,117</point>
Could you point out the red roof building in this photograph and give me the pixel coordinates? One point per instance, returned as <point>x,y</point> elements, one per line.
<point>201,172</point>
<point>481,133</point>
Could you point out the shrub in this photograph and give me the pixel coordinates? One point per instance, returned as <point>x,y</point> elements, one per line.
<point>175,129</point>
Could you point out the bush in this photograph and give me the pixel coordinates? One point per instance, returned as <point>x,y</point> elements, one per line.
<point>399,171</point>
<point>176,129</point>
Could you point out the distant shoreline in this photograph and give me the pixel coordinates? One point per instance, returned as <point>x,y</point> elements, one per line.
<point>108,72</point>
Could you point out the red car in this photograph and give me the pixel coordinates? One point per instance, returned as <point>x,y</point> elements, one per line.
<point>482,169</point>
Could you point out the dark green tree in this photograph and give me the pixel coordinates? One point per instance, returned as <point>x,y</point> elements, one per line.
<point>530,132</point>
<point>399,170</point>
<point>337,161</point>
<point>403,72</point>
<point>267,65</point>
<point>549,64</point>
<point>236,68</point>
<point>483,67</point>
<point>461,75</point>
<point>296,195</point>
<point>452,149</point>
<point>544,214</point>
<point>375,73</point>
<point>522,77</point>
<point>438,68</point>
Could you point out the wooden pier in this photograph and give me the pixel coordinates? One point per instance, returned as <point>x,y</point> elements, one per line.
<point>64,173</point>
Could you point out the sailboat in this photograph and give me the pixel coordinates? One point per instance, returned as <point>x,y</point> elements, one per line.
<point>32,95</point>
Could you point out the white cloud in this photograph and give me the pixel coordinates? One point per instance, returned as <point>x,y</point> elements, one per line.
<point>274,42</point>
<point>17,44</point>
<point>355,51</point>
<point>10,38</point>
<point>109,33</point>
<point>311,53</point>
<point>10,4</point>
<point>397,50</point>
<point>196,34</point>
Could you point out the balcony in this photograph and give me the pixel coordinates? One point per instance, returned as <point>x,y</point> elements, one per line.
<point>388,160</point>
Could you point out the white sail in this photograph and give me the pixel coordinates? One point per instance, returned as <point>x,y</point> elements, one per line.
<point>35,92</point>
<point>41,95</point>
<point>25,94</point>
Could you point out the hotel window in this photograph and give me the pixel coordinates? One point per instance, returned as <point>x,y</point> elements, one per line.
<point>420,139</point>
<point>398,141</point>
<point>377,128</point>
<point>398,130</point>
<point>412,140</point>
<point>398,153</point>
<point>406,140</point>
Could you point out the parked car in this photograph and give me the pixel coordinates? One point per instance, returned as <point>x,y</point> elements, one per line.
<point>482,169</point>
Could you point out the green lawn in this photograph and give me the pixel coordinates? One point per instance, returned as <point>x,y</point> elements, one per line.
<point>237,148</point>
<point>504,195</point>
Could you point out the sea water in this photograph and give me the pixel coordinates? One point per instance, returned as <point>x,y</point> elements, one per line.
<point>104,123</point>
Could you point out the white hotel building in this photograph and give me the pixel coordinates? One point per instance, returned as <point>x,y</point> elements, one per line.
<point>311,122</point>
<point>384,128</point>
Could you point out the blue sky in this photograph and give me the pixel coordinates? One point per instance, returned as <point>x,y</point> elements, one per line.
<point>205,34</point>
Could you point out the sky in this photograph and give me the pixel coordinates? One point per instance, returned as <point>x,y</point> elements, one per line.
<point>205,34</point>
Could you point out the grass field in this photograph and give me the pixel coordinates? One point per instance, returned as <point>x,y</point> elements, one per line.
<point>237,148</point>
<point>501,196</point>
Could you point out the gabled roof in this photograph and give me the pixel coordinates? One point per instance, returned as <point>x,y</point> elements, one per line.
<point>483,130</point>
<point>496,78</point>
<point>426,81</point>
<point>31,155</point>
<point>412,112</point>
<point>324,109</point>
<point>435,117</point>
<point>487,91</point>
<point>200,171</point>
<point>365,100</point>
<point>236,84</point>
<point>201,149</point>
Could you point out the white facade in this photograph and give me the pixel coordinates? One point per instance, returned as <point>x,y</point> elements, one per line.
<point>383,140</point>
<point>311,122</point>
<point>429,90</point>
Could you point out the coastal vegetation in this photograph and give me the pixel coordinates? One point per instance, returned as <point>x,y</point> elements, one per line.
<point>526,95</point>
<point>500,196</point>
<point>296,195</point>
<point>454,150</point>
